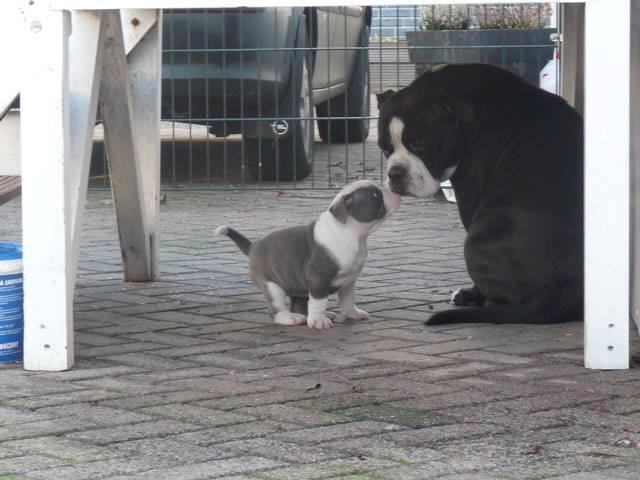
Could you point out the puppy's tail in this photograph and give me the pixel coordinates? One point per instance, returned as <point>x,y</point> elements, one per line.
<point>243,243</point>
<point>502,314</point>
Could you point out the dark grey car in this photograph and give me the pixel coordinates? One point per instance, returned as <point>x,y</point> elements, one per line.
<point>260,71</point>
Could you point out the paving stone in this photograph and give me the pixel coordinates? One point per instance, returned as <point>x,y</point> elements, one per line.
<point>491,357</point>
<point>278,450</point>
<point>254,399</point>
<point>26,463</point>
<point>426,437</point>
<point>14,385</point>
<point>43,428</point>
<point>167,448</point>
<point>376,447</point>
<point>148,361</point>
<point>62,398</point>
<point>341,468</point>
<point>123,385</point>
<point>14,416</point>
<point>289,413</point>
<point>408,357</point>
<point>70,451</point>
<point>159,376</point>
<point>240,431</point>
<point>88,373</point>
<point>109,468</point>
<point>165,398</point>
<point>212,469</point>
<point>198,415</point>
<point>189,351</point>
<point>216,386</point>
<point>336,402</point>
<point>398,415</point>
<point>333,432</point>
<point>98,414</point>
<point>104,436</point>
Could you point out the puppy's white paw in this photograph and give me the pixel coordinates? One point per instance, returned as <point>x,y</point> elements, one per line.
<point>356,314</point>
<point>289,318</point>
<point>319,322</point>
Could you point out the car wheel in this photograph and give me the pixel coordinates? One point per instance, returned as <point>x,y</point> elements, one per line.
<point>288,157</point>
<point>355,102</point>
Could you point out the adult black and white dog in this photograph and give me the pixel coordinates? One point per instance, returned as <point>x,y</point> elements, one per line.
<point>307,263</point>
<point>514,155</point>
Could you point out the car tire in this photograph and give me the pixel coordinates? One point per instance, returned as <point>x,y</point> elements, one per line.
<point>288,157</point>
<point>355,102</point>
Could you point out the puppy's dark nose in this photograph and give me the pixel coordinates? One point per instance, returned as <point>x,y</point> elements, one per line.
<point>396,173</point>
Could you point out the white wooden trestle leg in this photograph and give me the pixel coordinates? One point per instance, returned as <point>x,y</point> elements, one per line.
<point>128,152</point>
<point>607,218</point>
<point>145,72</point>
<point>48,303</point>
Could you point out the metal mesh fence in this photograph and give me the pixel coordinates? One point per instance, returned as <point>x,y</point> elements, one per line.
<point>283,98</point>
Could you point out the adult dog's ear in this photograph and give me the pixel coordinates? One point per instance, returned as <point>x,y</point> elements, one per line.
<point>383,97</point>
<point>450,105</point>
<point>339,210</point>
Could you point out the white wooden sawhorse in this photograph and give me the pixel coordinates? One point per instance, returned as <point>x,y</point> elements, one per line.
<point>59,94</point>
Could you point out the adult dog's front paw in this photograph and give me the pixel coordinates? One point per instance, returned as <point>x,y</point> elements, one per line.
<point>467,297</point>
<point>356,314</point>
<point>319,322</point>
<point>289,318</point>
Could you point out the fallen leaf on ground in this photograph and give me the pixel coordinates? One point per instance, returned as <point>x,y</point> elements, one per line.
<point>634,429</point>
<point>283,194</point>
<point>315,387</point>
<point>532,451</point>
<point>600,454</point>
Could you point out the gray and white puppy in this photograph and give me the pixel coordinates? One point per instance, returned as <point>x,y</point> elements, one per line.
<point>307,263</point>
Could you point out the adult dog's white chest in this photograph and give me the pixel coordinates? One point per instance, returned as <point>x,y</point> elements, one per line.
<point>346,247</point>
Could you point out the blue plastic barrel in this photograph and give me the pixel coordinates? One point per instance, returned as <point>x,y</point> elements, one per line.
<point>11,302</point>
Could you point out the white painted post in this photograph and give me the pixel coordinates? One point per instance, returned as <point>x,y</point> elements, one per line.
<point>607,87</point>
<point>145,72</point>
<point>48,303</point>
<point>121,142</point>
<point>635,161</point>
<point>85,69</point>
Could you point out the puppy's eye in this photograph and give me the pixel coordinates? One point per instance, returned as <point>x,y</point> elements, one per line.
<point>417,145</point>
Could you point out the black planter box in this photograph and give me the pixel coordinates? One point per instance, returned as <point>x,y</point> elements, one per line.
<point>524,52</point>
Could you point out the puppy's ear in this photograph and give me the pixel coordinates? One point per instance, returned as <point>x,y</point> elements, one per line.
<point>383,97</point>
<point>451,105</point>
<point>339,210</point>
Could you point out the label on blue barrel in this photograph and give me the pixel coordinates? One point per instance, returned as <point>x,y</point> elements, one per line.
<point>11,347</point>
<point>10,291</point>
<point>11,317</point>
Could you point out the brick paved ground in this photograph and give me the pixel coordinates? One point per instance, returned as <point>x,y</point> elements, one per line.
<point>187,378</point>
